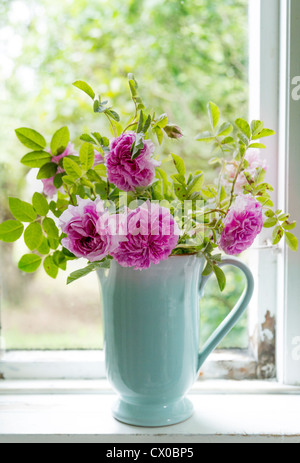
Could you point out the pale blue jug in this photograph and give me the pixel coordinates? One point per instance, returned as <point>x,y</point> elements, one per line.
<point>151,323</point>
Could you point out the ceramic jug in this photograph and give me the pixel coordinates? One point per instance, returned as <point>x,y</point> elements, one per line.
<point>151,325</point>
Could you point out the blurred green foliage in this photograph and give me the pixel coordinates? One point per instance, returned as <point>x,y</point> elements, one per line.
<point>183,53</point>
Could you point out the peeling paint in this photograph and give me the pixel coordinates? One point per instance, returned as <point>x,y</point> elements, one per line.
<point>266,368</point>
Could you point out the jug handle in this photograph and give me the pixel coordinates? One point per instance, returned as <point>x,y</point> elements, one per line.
<point>235,313</point>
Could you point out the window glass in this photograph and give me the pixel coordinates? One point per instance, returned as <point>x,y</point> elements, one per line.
<point>183,54</point>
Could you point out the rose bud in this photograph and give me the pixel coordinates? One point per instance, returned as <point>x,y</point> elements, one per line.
<point>173,131</point>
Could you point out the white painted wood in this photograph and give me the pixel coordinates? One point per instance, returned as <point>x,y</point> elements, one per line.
<point>42,365</point>
<point>290,186</point>
<point>87,418</point>
<point>52,365</point>
<point>223,387</point>
<point>264,105</point>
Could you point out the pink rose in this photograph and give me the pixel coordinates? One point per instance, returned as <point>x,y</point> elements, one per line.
<point>124,173</point>
<point>243,223</point>
<point>255,161</point>
<point>151,236</point>
<point>91,230</point>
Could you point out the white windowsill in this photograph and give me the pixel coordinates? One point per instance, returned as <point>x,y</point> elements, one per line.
<point>80,411</point>
<point>89,365</point>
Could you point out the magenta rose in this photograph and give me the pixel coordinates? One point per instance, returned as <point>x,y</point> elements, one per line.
<point>151,235</point>
<point>91,231</point>
<point>48,185</point>
<point>243,223</point>
<point>128,174</point>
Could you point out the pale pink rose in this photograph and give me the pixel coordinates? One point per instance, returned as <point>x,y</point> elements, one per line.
<point>90,230</point>
<point>255,161</point>
<point>243,223</point>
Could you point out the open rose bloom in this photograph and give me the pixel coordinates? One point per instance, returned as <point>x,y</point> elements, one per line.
<point>90,230</point>
<point>151,235</point>
<point>243,223</point>
<point>128,174</point>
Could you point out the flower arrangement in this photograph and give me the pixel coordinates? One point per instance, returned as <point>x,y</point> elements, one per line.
<point>114,199</point>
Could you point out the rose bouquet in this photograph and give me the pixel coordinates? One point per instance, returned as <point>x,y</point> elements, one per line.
<point>114,199</point>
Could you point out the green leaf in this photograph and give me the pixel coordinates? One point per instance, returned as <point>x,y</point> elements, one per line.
<point>206,137</point>
<point>50,228</point>
<point>179,164</point>
<point>180,191</point>
<point>31,139</point>
<point>87,138</point>
<point>69,255</point>
<point>269,213</point>
<point>47,171</point>
<point>178,178</point>
<point>289,225</point>
<point>225,129</point>
<point>214,114</point>
<point>140,123</point>
<point>33,236</point>
<point>243,140</point>
<point>50,268</point>
<point>60,260</point>
<point>228,141</point>
<point>284,217</point>
<point>133,85</point>
<point>40,204</point>
<point>113,115</point>
<point>53,243</point>
<point>264,133</point>
<point>137,146</point>
<point>258,145</point>
<point>44,247</point>
<point>58,180</point>
<point>72,168</point>
<point>164,179</point>
<point>36,159</point>
<point>87,156</point>
<point>147,124</point>
<point>11,230</point>
<point>221,194</point>
<point>160,134</point>
<point>21,210</point>
<point>271,222</point>
<point>244,127</point>
<point>162,121</point>
<point>220,277</point>
<point>97,108</point>
<point>195,184</point>
<point>256,127</point>
<point>277,235</point>
<point>29,263</point>
<point>60,141</point>
<point>85,88</point>
<point>208,269</point>
<point>90,268</point>
<point>291,241</point>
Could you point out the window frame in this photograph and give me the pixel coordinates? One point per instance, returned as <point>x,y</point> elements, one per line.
<point>288,347</point>
<point>269,45</point>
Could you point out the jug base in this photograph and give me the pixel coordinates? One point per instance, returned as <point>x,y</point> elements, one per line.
<point>151,415</point>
